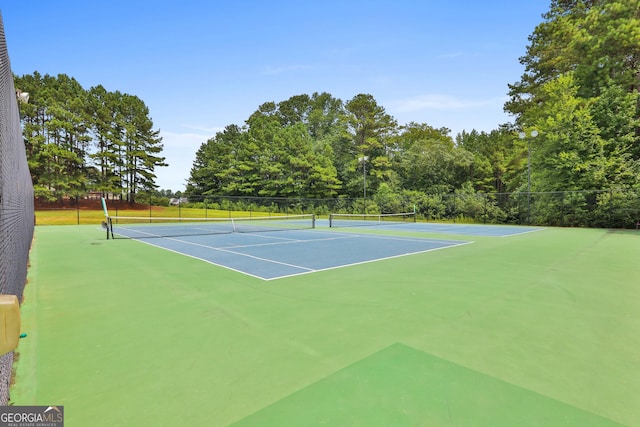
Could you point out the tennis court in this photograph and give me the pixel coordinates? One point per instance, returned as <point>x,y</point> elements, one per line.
<point>470,229</point>
<point>406,222</point>
<point>540,328</point>
<point>276,253</point>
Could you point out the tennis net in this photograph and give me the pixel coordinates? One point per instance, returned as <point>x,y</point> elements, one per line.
<point>360,220</point>
<point>148,227</point>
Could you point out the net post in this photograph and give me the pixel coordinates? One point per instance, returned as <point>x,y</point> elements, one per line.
<point>104,207</point>
<point>313,220</point>
<point>107,222</point>
<point>330,220</point>
<point>109,227</point>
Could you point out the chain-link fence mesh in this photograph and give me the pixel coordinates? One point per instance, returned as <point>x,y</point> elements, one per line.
<point>16,201</point>
<point>613,208</point>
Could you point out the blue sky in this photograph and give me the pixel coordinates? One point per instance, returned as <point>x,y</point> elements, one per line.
<point>200,65</point>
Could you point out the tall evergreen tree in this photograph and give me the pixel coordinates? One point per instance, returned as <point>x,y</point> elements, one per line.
<point>79,141</point>
<point>142,146</point>
<point>370,146</point>
<point>57,136</point>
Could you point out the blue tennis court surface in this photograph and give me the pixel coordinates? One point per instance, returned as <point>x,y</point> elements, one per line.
<point>273,255</point>
<point>463,229</point>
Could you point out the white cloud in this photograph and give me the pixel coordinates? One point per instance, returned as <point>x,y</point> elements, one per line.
<point>443,102</point>
<point>454,113</point>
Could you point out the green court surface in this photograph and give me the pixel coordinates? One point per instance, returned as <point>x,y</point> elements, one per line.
<point>539,329</point>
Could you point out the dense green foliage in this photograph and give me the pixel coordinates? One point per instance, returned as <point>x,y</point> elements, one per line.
<point>80,140</point>
<point>318,147</point>
<point>579,93</point>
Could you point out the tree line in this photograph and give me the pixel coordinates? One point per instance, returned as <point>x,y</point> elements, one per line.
<point>81,141</point>
<point>317,146</point>
<point>578,95</point>
<point>576,129</point>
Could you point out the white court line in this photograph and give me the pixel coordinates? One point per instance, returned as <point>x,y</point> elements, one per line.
<point>341,236</point>
<point>522,232</point>
<point>202,259</point>
<point>307,270</point>
<point>240,253</point>
<point>447,228</point>
<point>288,242</point>
<point>386,237</point>
<point>368,261</point>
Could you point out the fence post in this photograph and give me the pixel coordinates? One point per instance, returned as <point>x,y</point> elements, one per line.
<point>485,207</point>
<point>455,207</point>
<point>562,210</point>
<point>610,208</point>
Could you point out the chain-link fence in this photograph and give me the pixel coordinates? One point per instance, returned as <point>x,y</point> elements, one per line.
<point>595,208</point>
<point>612,208</point>
<point>16,201</point>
